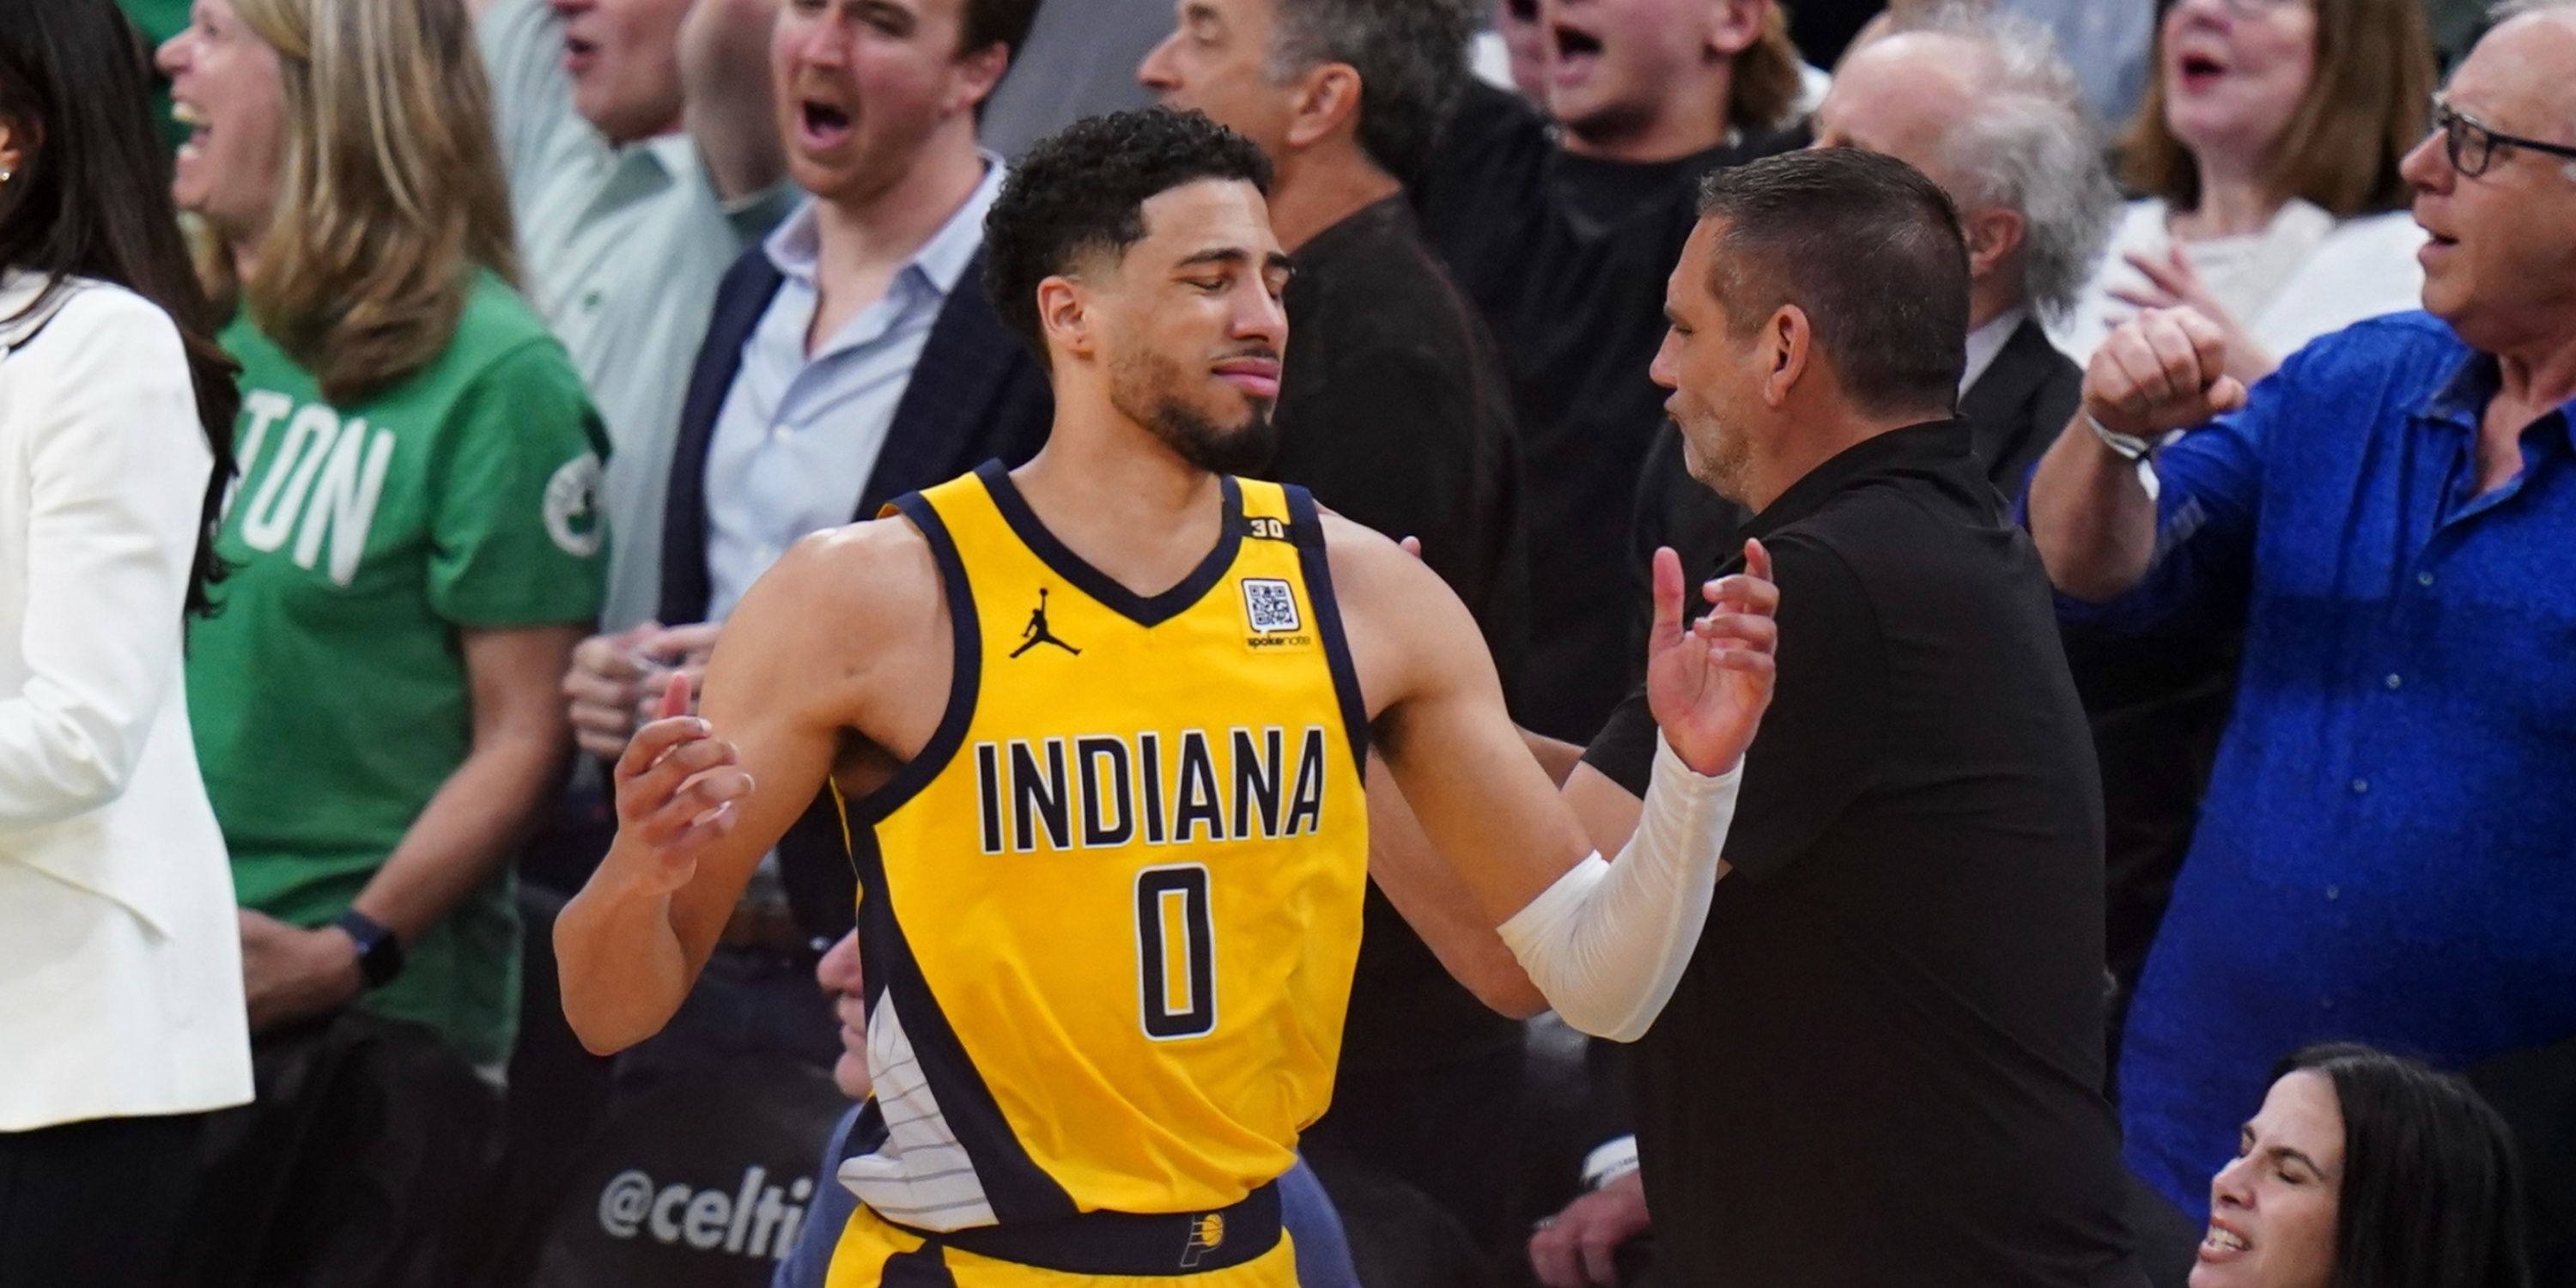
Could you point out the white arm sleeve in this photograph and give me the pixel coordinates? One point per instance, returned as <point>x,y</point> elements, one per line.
<point>1607,943</point>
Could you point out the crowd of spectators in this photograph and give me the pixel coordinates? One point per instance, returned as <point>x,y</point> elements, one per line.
<point>395,395</point>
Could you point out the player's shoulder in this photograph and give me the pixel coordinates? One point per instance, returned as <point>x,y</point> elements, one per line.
<point>1364,560</point>
<point>847,578</point>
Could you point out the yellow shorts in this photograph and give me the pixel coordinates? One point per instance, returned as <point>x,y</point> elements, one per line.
<point>875,1254</point>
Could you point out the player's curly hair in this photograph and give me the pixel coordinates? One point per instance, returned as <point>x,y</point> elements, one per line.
<point>1083,191</point>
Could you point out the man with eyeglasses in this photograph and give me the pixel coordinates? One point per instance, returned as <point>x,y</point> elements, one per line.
<point>2383,855</point>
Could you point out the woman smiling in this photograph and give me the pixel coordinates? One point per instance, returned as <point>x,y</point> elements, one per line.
<point>415,544</point>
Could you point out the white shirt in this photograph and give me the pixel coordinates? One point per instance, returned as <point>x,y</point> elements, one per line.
<point>2304,276</point>
<point>120,945</point>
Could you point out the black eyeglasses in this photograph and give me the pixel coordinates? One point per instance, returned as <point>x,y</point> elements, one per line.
<point>2472,146</point>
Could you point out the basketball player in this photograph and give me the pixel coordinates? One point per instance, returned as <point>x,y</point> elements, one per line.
<point>1110,899</point>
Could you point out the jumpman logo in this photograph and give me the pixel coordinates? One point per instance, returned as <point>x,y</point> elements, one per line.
<point>1037,632</point>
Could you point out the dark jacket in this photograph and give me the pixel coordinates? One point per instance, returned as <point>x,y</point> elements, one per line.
<point>2016,409</point>
<point>976,394</point>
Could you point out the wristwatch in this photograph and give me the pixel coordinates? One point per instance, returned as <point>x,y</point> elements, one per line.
<point>380,954</point>
<point>2129,446</point>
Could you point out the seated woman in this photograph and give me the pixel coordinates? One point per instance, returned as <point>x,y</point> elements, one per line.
<point>2364,1170</point>
<point>2268,148</point>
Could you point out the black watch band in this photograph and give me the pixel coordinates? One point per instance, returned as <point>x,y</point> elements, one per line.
<point>380,954</point>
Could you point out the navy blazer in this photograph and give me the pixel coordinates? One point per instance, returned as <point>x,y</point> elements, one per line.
<point>977,394</point>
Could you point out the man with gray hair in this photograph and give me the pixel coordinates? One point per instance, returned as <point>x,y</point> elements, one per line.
<point>1980,103</point>
<point>2382,856</point>
<point>1394,410</point>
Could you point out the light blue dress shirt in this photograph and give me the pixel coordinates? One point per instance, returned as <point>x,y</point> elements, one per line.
<point>799,433</point>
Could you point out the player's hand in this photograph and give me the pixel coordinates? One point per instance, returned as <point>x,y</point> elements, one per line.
<point>676,788</point>
<point>2163,370</point>
<point>604,689</point>
<point>1709,681</point>
<point>1579,1247</point>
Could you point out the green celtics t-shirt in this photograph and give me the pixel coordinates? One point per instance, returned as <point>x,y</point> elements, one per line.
<point>329,691</point>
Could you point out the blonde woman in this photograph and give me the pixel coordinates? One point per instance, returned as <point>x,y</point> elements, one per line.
<point>2268,148</point>
<point>414,542</point>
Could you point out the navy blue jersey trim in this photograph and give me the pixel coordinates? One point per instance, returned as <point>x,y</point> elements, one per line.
<point>1307,531</point>
<point>1017,1188</point>
<point>965,674</point>
<point>1148,611</point>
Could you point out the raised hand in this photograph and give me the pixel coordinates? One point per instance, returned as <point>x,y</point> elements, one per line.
<point>1710,681</point>
<point>676,787</point>
<point>2163,370</point>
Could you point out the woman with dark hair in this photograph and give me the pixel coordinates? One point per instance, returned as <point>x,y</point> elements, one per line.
<point>2365,1170</point>
<point>121,1008</point>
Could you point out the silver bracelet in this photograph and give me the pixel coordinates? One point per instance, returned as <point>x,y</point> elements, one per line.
<point>2129,446</point>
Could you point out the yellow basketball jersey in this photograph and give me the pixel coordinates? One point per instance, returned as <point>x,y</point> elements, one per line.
<point>1109,915</point>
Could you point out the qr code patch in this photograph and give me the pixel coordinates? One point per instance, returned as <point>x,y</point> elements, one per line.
<point>1269,606</point>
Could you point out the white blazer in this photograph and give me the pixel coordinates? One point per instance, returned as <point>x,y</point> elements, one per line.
<point>120,950</point>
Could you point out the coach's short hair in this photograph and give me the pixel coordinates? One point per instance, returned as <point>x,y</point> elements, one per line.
<point>1084,189</point>
<point>1868,248</point>
<point>1411,56</point>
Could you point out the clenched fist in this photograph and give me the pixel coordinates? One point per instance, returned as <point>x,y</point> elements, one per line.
<point>2163,370</point>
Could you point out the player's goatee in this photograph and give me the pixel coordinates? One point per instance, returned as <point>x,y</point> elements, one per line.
<point>1244,449</point>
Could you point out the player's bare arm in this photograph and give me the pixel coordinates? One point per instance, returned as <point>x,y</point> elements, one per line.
<point>821,674</point>
<point>1467,774</point>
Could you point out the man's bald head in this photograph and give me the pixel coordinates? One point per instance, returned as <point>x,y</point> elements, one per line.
<point>2560,14</point>
<point>1904,96</point>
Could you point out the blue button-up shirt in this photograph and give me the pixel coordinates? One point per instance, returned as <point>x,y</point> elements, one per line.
<point>799,434</point>
<point>2387,852</point>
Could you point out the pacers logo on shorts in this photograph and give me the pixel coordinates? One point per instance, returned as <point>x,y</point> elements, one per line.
<point>1207,1234</point>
